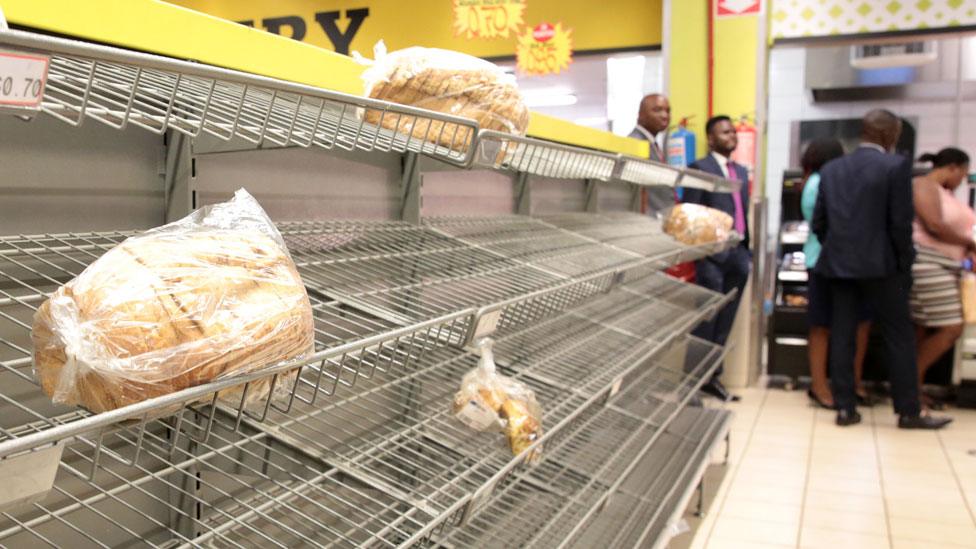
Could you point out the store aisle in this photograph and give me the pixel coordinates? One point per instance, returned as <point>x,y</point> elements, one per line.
<point>797,480</point>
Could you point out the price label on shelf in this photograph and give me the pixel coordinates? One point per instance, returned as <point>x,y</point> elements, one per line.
<point>487,324</point>
<point>22,79</point>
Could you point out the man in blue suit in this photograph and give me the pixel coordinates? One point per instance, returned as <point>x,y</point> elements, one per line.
<point>728,270</point>
<point>863,218</point>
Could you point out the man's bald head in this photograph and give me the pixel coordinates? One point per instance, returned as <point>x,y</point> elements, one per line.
<point>881,127</point>
<point>655,113</point>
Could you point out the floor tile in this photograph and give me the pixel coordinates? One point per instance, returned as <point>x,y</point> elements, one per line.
<point>933,511</point>
<point>772,493</point>
<point>923,492</point>
<point>834,483</point>
<point>758,531</point>
<point>796,479</point>
<point>845,520</point>
<point>733,544</point>
<point>797,476</point>
<point>936,532</point>
<point>833,500</point>
<point>858,471</point>
<point>898,543</point>
<point>827,538</point>
<point>763,511</point>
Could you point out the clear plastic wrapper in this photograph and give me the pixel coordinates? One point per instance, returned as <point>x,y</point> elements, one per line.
<point>694,224</point>
<point>491,401</point>
<point>213,295</point>
<point>444,81</point>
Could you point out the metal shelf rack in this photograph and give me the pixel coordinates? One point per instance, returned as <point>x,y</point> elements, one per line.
<point>121,88</point>
<point>382,293</point>
<point>505,151</point>
<point>386,464</point>
<point>552,504</point>
<point>362,450</point>
<point>650,173</point>
<point>660,486</point>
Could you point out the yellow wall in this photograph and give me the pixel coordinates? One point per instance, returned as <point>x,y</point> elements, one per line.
<point>688,65</point>
<point>403,23</point>
<point>734,76</point>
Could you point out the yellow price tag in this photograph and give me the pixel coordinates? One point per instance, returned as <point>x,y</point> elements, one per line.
<point>487,18</point>
<point>544,49</point>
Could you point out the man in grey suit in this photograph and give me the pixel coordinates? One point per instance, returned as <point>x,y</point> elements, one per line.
<point>863,218</point>
<point>653,121</point>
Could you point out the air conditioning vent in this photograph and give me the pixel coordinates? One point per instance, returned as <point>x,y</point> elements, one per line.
<point>885,56</point>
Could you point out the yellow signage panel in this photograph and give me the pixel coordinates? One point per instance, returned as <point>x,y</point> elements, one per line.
<point>345,26</point>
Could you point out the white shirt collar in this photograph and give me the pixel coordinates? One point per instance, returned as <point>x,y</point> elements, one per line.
<point>644,132</point>
<point>723,162</point>
<point>874,146</point>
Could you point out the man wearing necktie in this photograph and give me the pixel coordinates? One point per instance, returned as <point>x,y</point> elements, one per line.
<point>653,120</point>
<point>727,270</point>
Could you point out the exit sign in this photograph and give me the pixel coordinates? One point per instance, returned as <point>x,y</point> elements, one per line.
<point>732,8</point>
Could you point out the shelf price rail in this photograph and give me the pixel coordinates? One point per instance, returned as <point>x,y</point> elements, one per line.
<point>120,87</point>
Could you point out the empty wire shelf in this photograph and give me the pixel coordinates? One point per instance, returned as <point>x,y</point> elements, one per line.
<point>636,233</point>
<point>648,173</point>
<point>546,506</point>
<point>400,437</point>
<point>381,293</point>
<point>544,158</point>
<point>119,88</point>
<point>657,491</point>
<point>386,297</point>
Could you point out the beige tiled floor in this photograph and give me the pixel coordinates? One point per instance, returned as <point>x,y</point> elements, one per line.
<point>797,480</point>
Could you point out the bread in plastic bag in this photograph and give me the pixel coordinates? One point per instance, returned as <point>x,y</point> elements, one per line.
<point>212,295</point>
<point>444,81</point>
<point>694,224</point>
<point>489,400</point>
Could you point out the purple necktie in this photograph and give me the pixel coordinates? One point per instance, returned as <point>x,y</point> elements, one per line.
<point>740,218</point>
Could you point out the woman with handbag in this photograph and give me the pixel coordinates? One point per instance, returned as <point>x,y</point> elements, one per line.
<point>943,235</point>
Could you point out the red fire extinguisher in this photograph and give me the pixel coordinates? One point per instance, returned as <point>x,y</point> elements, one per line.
<point>745,153</point>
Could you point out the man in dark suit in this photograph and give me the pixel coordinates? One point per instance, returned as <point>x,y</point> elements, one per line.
<point>729,269</point>
<point>863,219</point>
<point>653,120</point>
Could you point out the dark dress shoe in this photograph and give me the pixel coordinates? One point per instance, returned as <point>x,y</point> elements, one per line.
<point>866,400</point>
<point>813,396</point>
<point>716,389</point>
<point>923,422</point>
<point>848,417</point>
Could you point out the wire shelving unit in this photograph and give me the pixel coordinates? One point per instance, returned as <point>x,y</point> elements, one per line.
<point>359,446</point>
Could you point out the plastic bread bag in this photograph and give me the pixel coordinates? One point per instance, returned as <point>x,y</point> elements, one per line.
<point>694,224</point>
<point>213,295</point>
<point>444,81</point>
<point>488,400</point>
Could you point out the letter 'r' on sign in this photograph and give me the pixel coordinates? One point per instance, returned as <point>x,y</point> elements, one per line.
<point>732,8</point>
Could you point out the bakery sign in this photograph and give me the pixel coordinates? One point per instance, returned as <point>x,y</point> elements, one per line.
<point>544,49</point>
<point>488,18</point>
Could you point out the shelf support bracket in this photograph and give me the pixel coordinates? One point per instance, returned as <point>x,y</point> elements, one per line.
<point>411,184</point>
<point>523,194</point>
<point>592,195</point>
<point>177,173</point>
<point>636,196</point>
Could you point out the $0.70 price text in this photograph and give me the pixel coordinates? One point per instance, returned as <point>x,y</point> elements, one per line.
<point>22,79</point>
